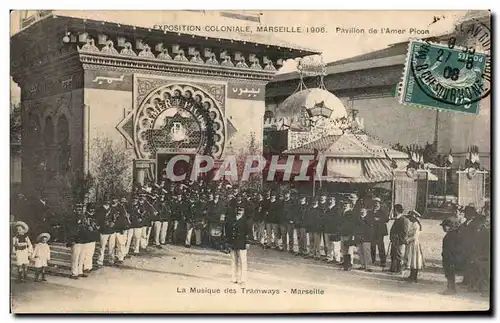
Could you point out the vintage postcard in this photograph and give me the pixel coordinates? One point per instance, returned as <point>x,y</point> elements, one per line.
<point>204,161</point>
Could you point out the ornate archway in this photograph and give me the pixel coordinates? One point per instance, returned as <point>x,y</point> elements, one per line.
<point>178,118</point>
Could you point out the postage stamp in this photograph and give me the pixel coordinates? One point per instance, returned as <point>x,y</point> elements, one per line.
<point>437,76</point>
<point>451,76</point>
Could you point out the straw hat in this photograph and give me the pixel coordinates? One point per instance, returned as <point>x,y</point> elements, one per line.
<point>41,235</point>
<point>23,225</point>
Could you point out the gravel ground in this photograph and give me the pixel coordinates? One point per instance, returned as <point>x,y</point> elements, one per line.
<point>160,281</point>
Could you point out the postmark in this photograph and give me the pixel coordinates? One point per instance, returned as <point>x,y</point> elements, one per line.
<point>449,76</point>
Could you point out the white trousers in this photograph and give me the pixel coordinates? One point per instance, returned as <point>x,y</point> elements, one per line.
<point>77,258</point>
<point>128,241</point>
<point>332,248</point>
<point>115,248</point>
<point>239,265</point>
<point>163,232</point>
<point>146,232</point>
<point>189,232</point>
<point>157,232</point>
<point>88,249</point>
<point>137,237</point>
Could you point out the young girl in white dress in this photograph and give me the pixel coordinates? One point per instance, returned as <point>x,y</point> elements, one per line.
<point>41,256</point>
<point>414,258</point>
<point>22,248</point>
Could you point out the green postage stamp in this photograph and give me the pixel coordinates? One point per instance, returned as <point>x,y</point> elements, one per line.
<point>445,77</point>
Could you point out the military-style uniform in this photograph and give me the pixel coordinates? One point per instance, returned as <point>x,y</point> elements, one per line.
<point>237,235</point>
<point>272,222</point>
<point>165,216</point>
<point>287,225</point>
<point>93,237</point>
<point>300,222</point>
<point>315,227</point>
<point>332,236</point>
<point>137,218</point>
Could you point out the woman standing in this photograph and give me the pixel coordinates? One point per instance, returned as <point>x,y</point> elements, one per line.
<point>414,258</point>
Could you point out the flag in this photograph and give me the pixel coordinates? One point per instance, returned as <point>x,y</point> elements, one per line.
<point>450,159</point>
<point>393,162</point>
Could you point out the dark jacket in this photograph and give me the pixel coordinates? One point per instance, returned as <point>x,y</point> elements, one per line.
<point>137,216</point>
<point>364,229</point>
<point>165,210</point>
<point>379,220</point>
<point>399,230</point>
<point>314,219</point>
<point>453,255</point>
<point>289,208</point>
<point>260,213</point>
<point>348,223</point>
<point>178,209</point>
<point>275,210</point>
<point>331,221</point>
<point>106,221</point>
<point>214,211</point>
<point>300,217</point>
<point>237,233</point>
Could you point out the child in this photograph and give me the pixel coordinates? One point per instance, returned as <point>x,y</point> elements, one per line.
<point>41,256</point>
<point>22,248</point>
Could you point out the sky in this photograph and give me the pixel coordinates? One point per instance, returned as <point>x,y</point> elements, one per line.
<point>334,45</point>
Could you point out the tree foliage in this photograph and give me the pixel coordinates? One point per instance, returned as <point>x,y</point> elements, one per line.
<point>110,164</point>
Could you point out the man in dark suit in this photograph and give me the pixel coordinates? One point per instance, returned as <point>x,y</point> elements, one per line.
<point>237,238</point>
<point>287,226</point>
<point>379,218</point>
<point>399,231</point>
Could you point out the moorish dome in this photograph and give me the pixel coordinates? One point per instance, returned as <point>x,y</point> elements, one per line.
<point>313,102</point>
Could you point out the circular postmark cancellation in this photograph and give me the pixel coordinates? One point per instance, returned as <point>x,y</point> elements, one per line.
<point>456,72</point>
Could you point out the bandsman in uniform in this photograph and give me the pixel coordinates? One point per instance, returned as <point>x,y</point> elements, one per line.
<point>347,233</point>
<point>78,237</point>
<point>107,222</point>
<point>237,235</point>
<point>94,236</point>
<point>260,216</point>
<point>315,229</point>
<point>129,231</point>
<point>121,227</point>
<point>332,236</point>
<point>165,216</point>
<point>137,218</point>
<point>272,220</point>
<point>178,208</point>
<point>288,225</point>
<point>301,218</point>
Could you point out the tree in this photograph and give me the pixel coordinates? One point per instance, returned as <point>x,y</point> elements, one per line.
<point>15,124</point>
<point>110,165</point>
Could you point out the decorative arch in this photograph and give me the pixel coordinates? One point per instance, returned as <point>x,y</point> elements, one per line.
<point>178,118</point>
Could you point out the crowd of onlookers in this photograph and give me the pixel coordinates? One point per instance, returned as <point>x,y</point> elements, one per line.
<point>328,227</point>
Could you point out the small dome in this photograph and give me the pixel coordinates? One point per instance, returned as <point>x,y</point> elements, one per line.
<point>315,101</point>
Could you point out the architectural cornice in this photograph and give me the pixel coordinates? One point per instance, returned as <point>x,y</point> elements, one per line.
<point>91,60</point>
